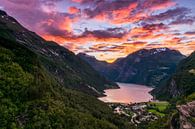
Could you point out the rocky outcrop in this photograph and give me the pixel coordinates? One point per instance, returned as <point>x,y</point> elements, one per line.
<point>187,115</point>
<point>174,91</point>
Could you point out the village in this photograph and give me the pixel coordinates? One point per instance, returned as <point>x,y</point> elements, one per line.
<point>138,113</point>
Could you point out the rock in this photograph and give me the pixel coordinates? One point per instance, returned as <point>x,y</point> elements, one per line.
<point>187,112</point>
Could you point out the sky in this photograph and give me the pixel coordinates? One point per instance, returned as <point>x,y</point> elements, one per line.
<point>109,29</point>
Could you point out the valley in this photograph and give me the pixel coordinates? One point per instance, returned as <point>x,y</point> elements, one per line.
<point>71,64</point>
<point>135,103</point>
<point>145,67</point>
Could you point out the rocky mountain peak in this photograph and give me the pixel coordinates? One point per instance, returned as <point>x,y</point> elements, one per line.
<point>154,51</point>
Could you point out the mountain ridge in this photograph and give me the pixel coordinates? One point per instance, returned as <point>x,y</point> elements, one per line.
<point>59,61</point>
<point>181,84</point>
<point>32,97</point>
<point>129,69</point>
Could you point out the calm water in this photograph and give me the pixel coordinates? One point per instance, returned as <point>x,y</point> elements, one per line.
<point>128,93</point>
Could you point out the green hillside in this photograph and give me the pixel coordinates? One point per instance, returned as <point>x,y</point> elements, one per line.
<point>65,67</point>
<point>182,83</point>
<point>31,98</point>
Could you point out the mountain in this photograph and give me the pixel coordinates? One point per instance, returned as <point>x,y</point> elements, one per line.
<point>67,69</point>
<point>101,66</point>
<point>180,91</point>
<point>148,67</point>
<point>182,83</point>
<point>32,96</point>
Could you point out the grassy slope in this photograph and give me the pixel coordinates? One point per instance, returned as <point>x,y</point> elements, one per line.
<point>31,98</point>
<point>158,108</point>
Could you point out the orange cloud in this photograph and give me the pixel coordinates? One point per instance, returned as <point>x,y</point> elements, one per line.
<point>66,24</point>
<point>57,39</point>
<point>128,11</point>
<point>101,17</point>
<point>122,15</point>
<point>173,41</point>
<point>132,47</point>
<point>73,10</point>
<point>124,12</point>
<point>125,20</point>
<point>121,51</point>
<point>78,1</point>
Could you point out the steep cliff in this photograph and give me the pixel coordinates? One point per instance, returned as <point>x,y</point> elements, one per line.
<point>182,83</point>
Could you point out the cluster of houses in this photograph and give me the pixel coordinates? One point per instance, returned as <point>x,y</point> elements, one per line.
<point>137,112</point>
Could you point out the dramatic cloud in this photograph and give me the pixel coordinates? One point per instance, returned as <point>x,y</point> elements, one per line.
<point>190,33</point>
<point>73,10</point>
<point>109,29</point>
<point>119,12</point>
<point>109,33</point>
<point>170,14</point>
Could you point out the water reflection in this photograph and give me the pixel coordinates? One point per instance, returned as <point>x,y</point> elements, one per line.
<point>128,93</point>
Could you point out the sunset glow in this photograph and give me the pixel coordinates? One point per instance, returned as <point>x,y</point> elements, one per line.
<point>109,29</point>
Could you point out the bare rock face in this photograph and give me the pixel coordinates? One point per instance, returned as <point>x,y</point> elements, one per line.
<point>173,89</point>
<point>187,115</point>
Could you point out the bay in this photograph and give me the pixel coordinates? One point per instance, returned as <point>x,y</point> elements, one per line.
<point>128,93</point>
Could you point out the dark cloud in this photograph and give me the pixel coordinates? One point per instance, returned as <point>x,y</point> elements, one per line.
<point>89,1</point>
<point>183,20</point>
<point>190,33</point>
<point>170,14</point>
<point>52,30</point>
<point>25,2</point>
<point>176,16</point>
<point>153,27</point>
<point>112,48</point>
<point>107,6</point>
<point>108,33</point>
<point>33,16</point>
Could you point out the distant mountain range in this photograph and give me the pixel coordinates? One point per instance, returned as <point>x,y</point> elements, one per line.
<point>147,67</point>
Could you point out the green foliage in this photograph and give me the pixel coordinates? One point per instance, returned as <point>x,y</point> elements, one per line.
<point>181,84</point>
<point>158,108</point>
<point>191,97</point>
<point>31,98</point>
<point>161,106</point>
<point>192,119</point>
<point>65,67</point>
<point>156,112</point>
<point>161,123</point>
